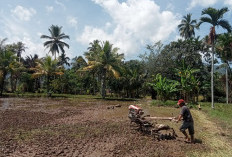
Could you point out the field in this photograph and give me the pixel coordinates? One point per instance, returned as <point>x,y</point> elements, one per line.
<point>91,127</point>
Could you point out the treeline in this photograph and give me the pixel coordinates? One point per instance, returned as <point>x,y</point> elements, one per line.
<point>180,69</point>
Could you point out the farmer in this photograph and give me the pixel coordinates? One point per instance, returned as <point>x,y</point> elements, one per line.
<point>187,118</point>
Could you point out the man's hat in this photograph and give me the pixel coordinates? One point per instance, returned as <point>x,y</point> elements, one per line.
<point>181,101</point>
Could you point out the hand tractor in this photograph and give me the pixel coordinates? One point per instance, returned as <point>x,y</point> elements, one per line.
<point>158,131</point>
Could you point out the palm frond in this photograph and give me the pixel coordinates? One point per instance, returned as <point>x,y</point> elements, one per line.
<point>46,37</point>
<point>225,24</point>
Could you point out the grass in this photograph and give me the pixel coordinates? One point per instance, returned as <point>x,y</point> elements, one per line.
<point>212,126</point>
<point>70,96</point>
<point>221,115</point>
<point>53,95</point>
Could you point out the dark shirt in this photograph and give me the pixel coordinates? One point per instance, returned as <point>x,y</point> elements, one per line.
<point>186,114</point>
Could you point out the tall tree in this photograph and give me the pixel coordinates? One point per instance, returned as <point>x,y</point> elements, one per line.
<point>55,43</point>
<point>106,60</point>
<point>30,83</point>
<point>63,59</point>
<point>48,68</point>
<point>78,63</point>
<point>30,61</point>
<point>7,57</point>
<point>187,26</point>
<point>224,50</point>
<point>20,47</point>
<point>215,18</point>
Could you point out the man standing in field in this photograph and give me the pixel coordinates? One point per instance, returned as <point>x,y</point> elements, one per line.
<point>188,123</point>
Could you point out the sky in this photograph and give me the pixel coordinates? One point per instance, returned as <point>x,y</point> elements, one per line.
<point>129,25</point>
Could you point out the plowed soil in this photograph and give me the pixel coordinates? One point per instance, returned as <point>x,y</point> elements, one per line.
<point>38,127</point>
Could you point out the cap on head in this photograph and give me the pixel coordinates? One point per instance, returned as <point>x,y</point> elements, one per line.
<point>181,101</point>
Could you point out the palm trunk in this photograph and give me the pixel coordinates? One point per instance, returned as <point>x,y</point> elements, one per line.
<point>103,84</point>
<point>2,82</point>
<point>47,84</point>
<point>227,90</point>
<point>93,84</point>
<point>11,83</point>
<point>212,80</point>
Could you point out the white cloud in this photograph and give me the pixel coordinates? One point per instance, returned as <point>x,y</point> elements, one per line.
<point>229,3</point>
<point>170,6</point>
<point>22,13</point>
<point>136,22</point>
<point>72,21</point>
<point>15,32</point>
<point>39,34</point>
<point>49,8</point>
<point>60,4</point>
<point>33,48</point>
<point>108,25</point>
<point>203,3</point>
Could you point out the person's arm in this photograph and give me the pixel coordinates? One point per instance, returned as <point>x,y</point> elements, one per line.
<point>179,118</point>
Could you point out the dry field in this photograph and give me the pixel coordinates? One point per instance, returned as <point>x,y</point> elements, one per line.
<point>87,128</point>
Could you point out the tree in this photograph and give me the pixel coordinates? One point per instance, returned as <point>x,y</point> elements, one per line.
<point>48,68</point>
<point>7,57</point>
<point>224,50</point>
<point>30,61</point>
<point>20,47</point>
<point>78,63</point>
<point>106,60</point>
<point>187,26</point>
<point>164,87</point>
<point>63,59</point>
<point>16,69</point>
<point>55,43</point>
<point>133,77</point>
<point>188,82</point>
<point>215,18</point>
<point>29,83</point>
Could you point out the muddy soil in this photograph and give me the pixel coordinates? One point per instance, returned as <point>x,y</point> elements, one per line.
<point>38,127</point>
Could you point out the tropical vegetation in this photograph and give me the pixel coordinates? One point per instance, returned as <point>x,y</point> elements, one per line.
<point>179,69</point>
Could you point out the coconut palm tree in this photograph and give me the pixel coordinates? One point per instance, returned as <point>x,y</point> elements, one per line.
<point>63,59</point>
<point>7,57</point>
<point>47,67</point>
<point>55,43</point>
<point>215,18</point>
<point>30,61</point>
<point>187,26</point>
<point>106,59</point>
<point>19,48</point>
<point>78,63</point>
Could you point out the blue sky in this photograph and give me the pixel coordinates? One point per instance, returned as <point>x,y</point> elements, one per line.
<point>128,24</point>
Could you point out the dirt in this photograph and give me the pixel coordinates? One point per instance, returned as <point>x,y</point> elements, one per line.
<point>78,127</point>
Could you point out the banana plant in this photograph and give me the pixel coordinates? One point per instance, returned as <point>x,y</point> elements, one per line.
<point>164,87</point>
<point>189,84</point>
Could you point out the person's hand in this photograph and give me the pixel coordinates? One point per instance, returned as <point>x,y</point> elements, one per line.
<point>175,120</point>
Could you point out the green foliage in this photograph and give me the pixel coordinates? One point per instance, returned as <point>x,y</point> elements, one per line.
<point>55,43</point>
<point>221,113</point>
<point>7,59</point>
<point>131,80</point>
<point>105,59</point>
<point>48,68</point>
<point>164,87</point>
<point>189,84</point>
<point>187,26</point>
<point>106,71</point>
<point>224,47</point>
<point>168,103</point>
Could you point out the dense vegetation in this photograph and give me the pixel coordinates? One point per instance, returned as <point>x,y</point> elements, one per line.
<point>180,69</point>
